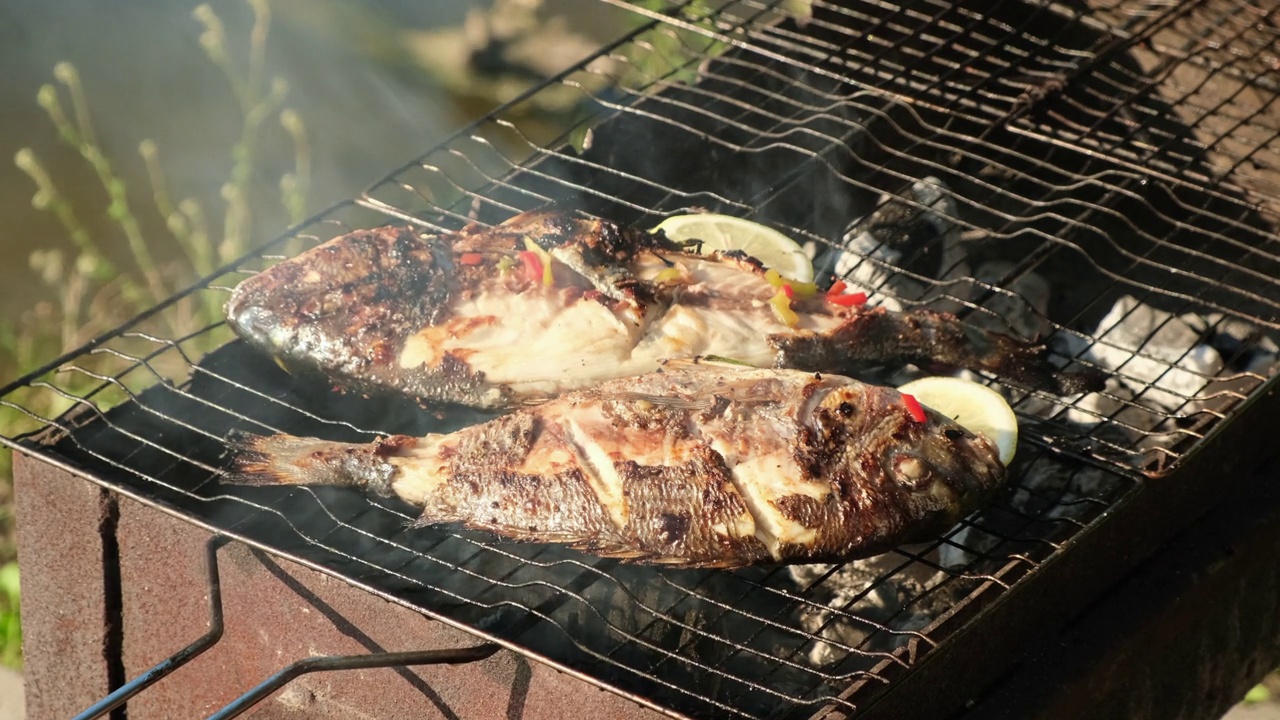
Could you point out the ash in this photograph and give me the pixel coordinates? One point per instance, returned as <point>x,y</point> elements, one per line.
<point>872,605</point>
<point>1165,367</point>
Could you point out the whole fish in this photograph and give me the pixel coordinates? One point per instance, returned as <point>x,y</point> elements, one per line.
<point>549,302</point>
<point>694,465</point>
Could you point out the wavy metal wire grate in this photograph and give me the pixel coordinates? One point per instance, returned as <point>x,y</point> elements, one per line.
<point>1094,178</point>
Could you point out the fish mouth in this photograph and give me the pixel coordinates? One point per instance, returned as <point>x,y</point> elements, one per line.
<point>985,473</point>
<point>255,323</point>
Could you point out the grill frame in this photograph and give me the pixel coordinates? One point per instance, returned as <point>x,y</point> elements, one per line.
<point>1224,434</point>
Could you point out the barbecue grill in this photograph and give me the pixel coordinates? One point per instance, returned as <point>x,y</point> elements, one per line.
<point>1103,177</point>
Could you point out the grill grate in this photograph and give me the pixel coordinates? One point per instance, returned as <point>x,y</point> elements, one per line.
<point>1106,180</point>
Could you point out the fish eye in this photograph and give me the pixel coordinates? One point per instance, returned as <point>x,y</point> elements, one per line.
<point>845,409</point>
<point>953,433</point>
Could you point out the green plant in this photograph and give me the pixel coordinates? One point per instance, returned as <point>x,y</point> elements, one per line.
<point>672,54</point>
<point>10,626</point>
<point>668,53</point>
<point>93,293</point>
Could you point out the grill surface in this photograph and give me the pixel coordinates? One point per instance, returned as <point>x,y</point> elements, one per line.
<point>1124,160</point>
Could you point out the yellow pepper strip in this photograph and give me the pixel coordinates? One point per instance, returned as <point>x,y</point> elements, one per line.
<point>671,274</point>
<point>782,309</point>
<point>803,290</point>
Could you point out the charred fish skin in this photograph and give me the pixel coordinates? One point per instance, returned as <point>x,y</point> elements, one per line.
<point>694,466</point>
<point>345,309</point>
<point>443,319</point>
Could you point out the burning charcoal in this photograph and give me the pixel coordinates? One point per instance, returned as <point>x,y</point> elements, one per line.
<point>1158,362</point>
<point>1026,311</point>
<point>1177,365</point>
<point>1241,344</point>
<point>962,548</point>
<point>854,602</point>
<point>1054,490</point>
<point>1094,408</point>
<point>900,236</point>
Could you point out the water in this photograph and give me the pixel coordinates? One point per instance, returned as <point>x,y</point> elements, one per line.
<point>367,103</point>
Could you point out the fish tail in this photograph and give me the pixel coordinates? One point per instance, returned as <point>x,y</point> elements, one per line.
<point>927,337</point>
<point>291,460</point>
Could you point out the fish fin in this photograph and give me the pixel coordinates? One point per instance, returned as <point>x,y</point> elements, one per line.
<point>745,390</point>
<point>578,543</point>
<point>259,460</point>
<point>705,361</point>
<point>618,552</point>
<point>290,460</point>
<point>534,218</point>
<point>694,402</point>
<point>722,360</point>
<point>745,393</point>
<point>505,532</point>
<point>528,402</point>
<point>644,557</point>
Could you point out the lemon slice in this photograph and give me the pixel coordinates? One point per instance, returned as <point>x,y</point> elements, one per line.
<point>725,232</point>
<point>975,406</point>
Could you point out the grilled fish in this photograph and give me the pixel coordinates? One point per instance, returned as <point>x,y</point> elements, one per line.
<point>447,319</point>
<point>693,465</point>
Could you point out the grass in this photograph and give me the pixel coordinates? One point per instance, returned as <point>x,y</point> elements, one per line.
<point>93,292</point>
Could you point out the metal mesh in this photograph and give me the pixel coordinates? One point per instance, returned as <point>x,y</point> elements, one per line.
<point>1064,175</point>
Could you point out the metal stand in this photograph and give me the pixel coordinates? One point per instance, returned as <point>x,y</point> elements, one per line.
<point>317,664</point>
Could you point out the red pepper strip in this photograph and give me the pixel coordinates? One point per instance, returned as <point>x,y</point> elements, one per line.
<point>858,298</point>
<point>532,265</point>
<point>470,258</point>
<point>913,407</point>
<point>786,290</point>
<point>836,288</point>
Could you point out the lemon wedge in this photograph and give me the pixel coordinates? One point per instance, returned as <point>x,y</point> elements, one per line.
<point>725,232</point>
<point>976,407</point>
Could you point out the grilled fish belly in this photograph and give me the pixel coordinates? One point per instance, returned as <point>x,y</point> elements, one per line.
<point>696,465</point>
<point>446,319</point>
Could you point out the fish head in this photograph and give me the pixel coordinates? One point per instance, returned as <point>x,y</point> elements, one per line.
<point>347,303</point>
<point>937,470</point>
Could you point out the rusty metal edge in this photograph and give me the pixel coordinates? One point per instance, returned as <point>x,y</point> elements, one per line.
<point>1213,589</point>
<point>983,599</point>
